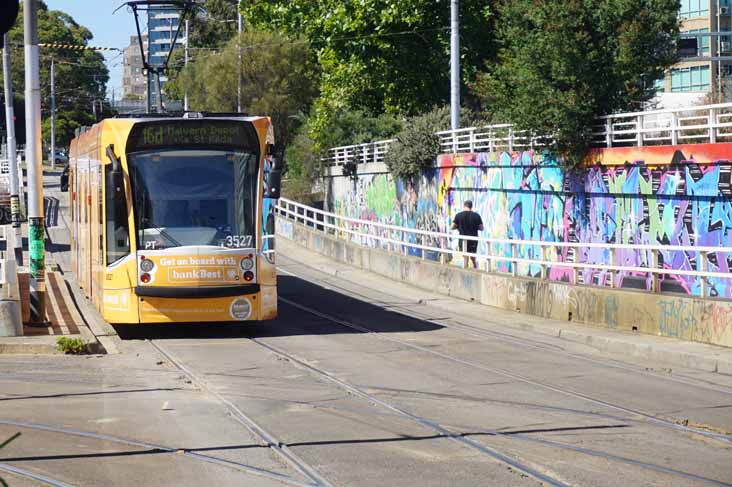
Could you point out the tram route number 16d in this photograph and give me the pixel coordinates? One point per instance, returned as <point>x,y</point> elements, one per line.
<point>238,242</point>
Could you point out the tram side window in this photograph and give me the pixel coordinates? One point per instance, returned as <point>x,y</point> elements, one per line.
<point>117,226</point>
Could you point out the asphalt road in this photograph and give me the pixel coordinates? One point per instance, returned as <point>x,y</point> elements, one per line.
<point>360,382</point>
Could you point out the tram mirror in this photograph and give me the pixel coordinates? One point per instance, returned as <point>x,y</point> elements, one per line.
<point>274,181</point>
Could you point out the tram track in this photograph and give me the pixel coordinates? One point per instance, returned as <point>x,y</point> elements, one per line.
<point>242,467</point>
<point>276,445</point>
<point>647,418</point>
<point>452,323</point>
<point>32,476</point>
<point>449,431</point>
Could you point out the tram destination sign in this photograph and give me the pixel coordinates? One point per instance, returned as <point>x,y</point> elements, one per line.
<point>199,133</point>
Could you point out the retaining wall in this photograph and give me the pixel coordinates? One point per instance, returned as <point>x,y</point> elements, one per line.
<point>677,316</point>
<point>663,195</point>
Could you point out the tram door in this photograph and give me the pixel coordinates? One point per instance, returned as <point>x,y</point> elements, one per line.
<point>95,232</point>
<point>85,205</point>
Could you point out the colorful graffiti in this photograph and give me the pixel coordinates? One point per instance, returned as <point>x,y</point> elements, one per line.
<point>531,196</point>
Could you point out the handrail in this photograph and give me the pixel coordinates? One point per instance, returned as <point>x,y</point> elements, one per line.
<point>617,130</point>
<point>369,230</point>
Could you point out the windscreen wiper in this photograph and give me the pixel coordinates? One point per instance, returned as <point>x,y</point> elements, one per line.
<point>162,232</point>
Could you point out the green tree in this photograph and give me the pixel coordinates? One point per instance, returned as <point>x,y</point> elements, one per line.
<point>380,55</point>
<point>561,64</point>
<point>278,79</point>
<point>81,76</point>
<point>417,145</point>
<point>214,24</point>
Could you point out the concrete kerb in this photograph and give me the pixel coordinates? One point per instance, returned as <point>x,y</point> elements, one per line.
<point>437,278</point>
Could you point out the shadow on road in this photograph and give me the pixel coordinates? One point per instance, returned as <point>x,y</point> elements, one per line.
<point>292,321</point>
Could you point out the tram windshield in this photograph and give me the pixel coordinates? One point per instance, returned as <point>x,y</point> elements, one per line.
<point>194,197</point>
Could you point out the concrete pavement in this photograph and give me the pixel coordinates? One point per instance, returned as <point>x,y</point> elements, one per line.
<point>363,382</point>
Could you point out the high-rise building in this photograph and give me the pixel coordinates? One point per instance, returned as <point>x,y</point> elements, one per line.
<point>695,77</point>
<point>134,82</point>
<point>162,26</point>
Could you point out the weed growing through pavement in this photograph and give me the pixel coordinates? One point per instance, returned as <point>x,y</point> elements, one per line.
<point>71,346</point>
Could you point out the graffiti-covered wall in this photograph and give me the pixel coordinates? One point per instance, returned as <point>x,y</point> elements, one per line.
<point>654,195</point>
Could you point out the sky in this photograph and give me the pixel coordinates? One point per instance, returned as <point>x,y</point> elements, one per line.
<point>108,30</point>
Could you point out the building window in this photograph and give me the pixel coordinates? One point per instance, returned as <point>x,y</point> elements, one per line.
<point>701,42</point>
<point>694,8</point>
<point>695,78</point>
<point>659,86</point>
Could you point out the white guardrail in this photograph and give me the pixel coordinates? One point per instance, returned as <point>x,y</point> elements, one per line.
<point>689,125</point>
<point>400,240</point>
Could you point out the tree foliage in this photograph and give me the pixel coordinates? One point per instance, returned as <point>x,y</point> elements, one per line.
<point>278,79</point>
<point>417,146</point>
<point>214,24</point>
<point>561,64</point>
<point>380,55</point>
<point>81,76</point>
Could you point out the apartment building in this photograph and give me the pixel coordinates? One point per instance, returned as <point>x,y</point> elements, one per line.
<point>134,84</point>
<point>706,76</point>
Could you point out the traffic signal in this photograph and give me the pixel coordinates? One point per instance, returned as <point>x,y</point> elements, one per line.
<point>8,14</point>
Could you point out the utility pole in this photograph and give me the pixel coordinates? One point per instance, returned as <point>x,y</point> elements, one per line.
<point>12,151</point>
<point>455,66</point>
<point>53,113</point>
<point>36,220</point>
<point>238,44</point>
<point>185,97</point>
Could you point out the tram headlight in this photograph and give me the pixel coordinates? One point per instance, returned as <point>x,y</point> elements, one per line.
<point>247,264</point>
<point>147,265</point>
<point>249,276</point>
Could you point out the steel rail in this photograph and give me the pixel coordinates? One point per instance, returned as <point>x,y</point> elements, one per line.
<point>32,475</point>
<point>441,430</point>
<point>448,432</point>
<point>509,338</point>
<point>279,447</point>
<point>648,418</point>
<point>150,446</point>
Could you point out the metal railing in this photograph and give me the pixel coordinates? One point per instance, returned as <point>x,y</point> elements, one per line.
<point>361,154</point>
<point>689,125</point>
<point>400,240</point>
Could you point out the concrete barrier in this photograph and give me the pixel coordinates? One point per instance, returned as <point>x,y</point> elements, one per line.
<point>11,324</point>
<point>692,319</point>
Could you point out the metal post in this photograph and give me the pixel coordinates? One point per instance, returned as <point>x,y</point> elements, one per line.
<point>185,97</point>
<point>655,287</point>
<point>36,221</point>
<point>712,126</point>
<point>238,45</point>
<point>160,90</point>
<point>12,152</point>
<point>455,65</point>
<point>702,267</point>
<point>53,114</point>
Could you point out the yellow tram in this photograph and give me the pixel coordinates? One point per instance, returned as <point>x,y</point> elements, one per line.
<point>172,218</point>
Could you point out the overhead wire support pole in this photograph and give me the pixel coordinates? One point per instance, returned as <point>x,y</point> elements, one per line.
<point>238,45</point>
<point>36,220</point>
<point>185,96</point>
<point>53,113</point>
<point>455,65</point>
<point>12,152</point>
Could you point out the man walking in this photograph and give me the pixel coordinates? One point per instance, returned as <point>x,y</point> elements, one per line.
<point>468,223</point>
